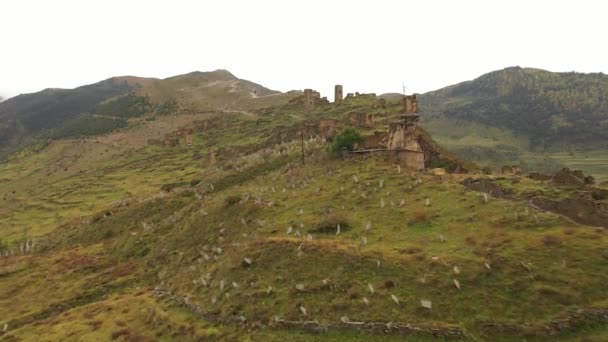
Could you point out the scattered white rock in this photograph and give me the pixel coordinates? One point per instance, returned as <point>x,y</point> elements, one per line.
<point>363,241</point>
<point>303,310</point>
<point>370,287</point>
<point>456,270</point>
<point>427,304</point>
<point>366,301</point>
<point>457,284</point>
<point>395,299</point>
<point>300,287</point>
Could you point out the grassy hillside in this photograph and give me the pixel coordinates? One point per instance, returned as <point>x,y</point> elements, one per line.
<point>30,114</point>
<point>137,241</point>
<point>521,116</point>
<point>105,106</point>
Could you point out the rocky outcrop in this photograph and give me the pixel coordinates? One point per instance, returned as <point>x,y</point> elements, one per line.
<point>584,211</point>
<point>567,177</point>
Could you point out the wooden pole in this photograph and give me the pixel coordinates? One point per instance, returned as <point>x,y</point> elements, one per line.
<point>302,135</point>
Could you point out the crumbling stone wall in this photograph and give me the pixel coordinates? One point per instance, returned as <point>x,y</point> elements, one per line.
<point>170,141</point>
<point>188,137</point>
<point>311,98</point>
<point>403,134</point>
<point>328,128</point>
<point>361,119</point>
<point>375,141</point>
<point>511,170</point>
<point>410,104</point>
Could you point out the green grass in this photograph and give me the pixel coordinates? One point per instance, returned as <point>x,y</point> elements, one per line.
<point>90,272</point>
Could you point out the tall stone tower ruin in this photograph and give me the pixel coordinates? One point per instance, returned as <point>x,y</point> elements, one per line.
<point>410,104</point>
<point>309,100</point>
<point>338,94</point>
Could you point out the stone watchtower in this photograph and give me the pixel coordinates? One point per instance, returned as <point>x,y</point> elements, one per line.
<point>338,94</point>
<point>309,100</point>
<point>410,104</point>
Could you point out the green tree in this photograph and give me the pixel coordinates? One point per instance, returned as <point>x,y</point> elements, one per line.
<point>345,140</point>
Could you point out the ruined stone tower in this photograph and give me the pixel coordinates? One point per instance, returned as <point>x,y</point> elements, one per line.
<point>410,104</point>
<point>338,94</point>
<point>309,99</point>
<point>403,137</point>
<point>188,137</point>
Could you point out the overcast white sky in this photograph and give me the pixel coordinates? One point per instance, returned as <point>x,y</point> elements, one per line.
<point>368,46</point>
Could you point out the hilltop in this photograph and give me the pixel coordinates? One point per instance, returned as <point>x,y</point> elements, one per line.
<point>524,115</point>
<point>207,225</point>
<point>105,106</point>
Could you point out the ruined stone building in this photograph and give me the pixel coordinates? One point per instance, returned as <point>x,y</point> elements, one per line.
<point>188,137</point>
<point>406,143</point>
<point>361,119</point>
<point>311,97</point>
<point>328,128</point>
<point>338,94</point>
<point>410,104</point>
<point>404,139</point>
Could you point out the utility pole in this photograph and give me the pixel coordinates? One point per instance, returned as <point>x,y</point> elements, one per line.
<point>302,135</point>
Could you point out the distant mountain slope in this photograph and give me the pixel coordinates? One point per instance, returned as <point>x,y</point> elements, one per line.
<point>30,114</point>
<point>104,106</point>
<point>548,108</point>
<point>212,90</point>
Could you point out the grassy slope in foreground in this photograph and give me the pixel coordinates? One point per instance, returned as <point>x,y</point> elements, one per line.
<point>195,239</point>
<point>196,248</point>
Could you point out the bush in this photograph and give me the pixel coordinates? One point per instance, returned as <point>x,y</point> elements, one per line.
<point>329,224</point>
<point>345,140</point>
<point>420,219</point>
<point>232,200</point>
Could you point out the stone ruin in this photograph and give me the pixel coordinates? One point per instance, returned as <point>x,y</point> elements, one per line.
<point>567,177</point>
<point>511,170</point>
<point>361,119</point>
<point>403,138</point>
<point>312,98</point>
<point>410,104</point>
<point>328,128</point>
<point>188,137</point>
<point>408,144</point>
<point>338,94</point>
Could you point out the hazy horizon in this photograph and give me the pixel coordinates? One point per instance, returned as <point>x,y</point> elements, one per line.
<point>286,46</point>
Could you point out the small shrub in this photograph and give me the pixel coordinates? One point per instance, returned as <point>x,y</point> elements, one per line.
<point>328,225</point>
<point>118,333</point>
<point>550,240</point>
<point>232,200</point>
<point>345,140</point>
